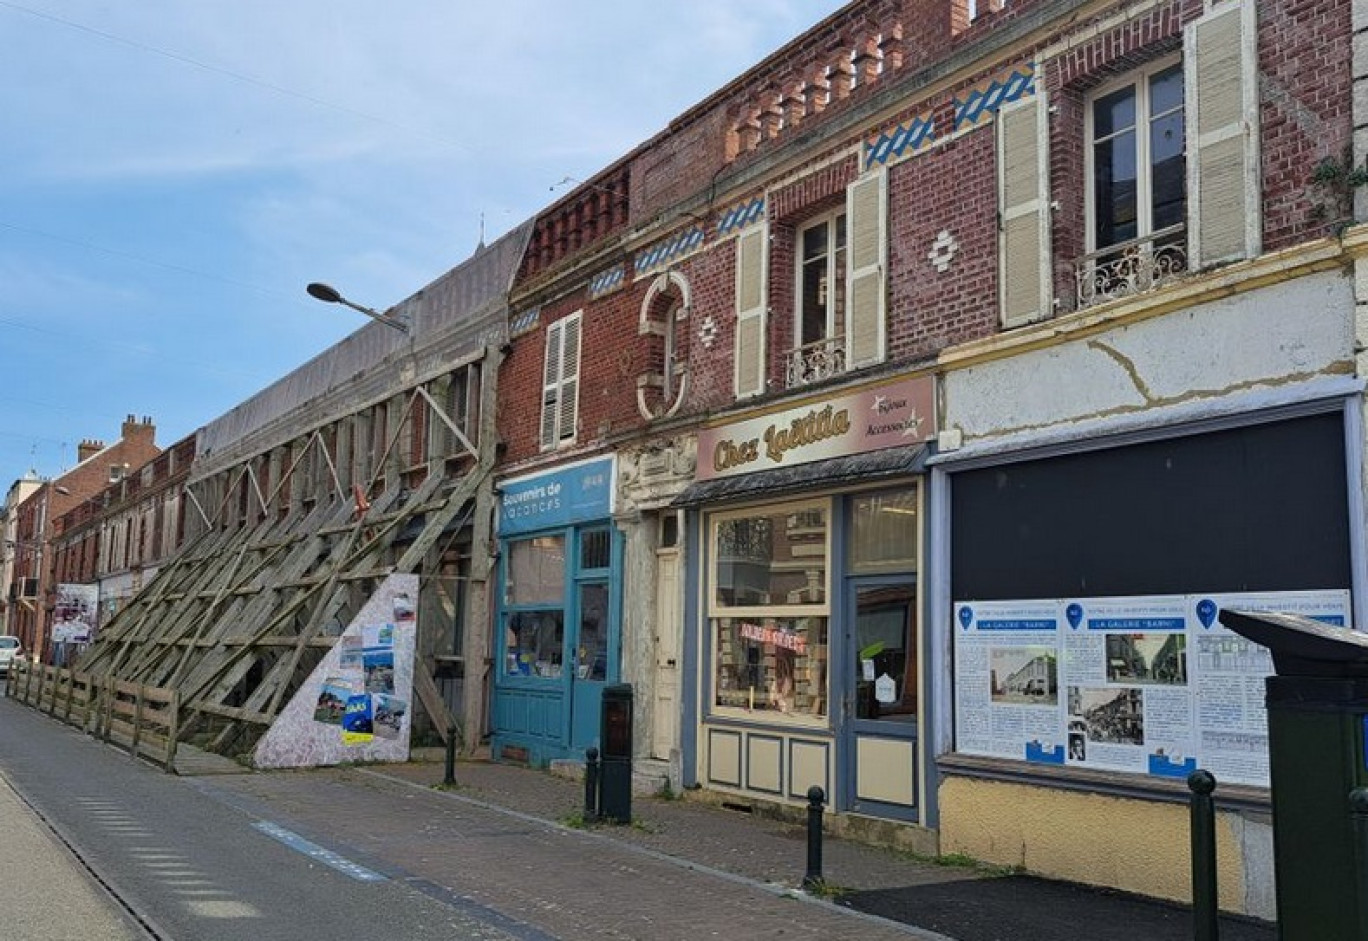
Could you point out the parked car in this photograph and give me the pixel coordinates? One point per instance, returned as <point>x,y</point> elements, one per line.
<point>9,649</point>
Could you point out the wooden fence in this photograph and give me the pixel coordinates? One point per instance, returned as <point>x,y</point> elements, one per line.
<point>142,720</point>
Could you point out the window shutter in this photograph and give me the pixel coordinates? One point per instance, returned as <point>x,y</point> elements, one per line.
<point>551,384</point>
<point>750,312</point>
<point>1023,212</point>
<point>867,220</point>
<point>1223,160</point>
<point>569,379</point>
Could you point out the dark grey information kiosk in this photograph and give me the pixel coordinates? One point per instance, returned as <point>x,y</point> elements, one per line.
<point>1317,732</point>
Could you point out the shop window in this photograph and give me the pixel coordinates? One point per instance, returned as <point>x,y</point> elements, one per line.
<point>769,609</point>
<point>883,532</point>
<point>775,557</point>
<point>535,631</point>
<point>535,643</point>
<point>536,570</point>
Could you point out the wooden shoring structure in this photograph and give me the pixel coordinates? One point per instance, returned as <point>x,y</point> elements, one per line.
<point>236,621</point>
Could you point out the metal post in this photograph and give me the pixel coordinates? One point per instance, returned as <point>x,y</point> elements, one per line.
<point>1358,817</point>
<point>816,798</point>
<point>591,779</point>
<point>1203,826</point>
<point>449,779</point>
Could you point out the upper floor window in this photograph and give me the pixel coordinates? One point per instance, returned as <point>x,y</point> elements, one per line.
<point>819,327</point>
<point>838,266</point>
<point>1137,159</point>
<point>560,382</point>
<point>1171,158</point>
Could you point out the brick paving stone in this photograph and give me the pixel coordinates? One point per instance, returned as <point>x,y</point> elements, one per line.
<point>683,869</point>
<point>566,882</point>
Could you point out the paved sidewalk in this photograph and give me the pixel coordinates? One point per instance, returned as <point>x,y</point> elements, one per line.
<point>962,904</point>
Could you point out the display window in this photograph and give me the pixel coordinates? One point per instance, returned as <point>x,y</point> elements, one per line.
<point>769,608</point>
<point>534,638</point>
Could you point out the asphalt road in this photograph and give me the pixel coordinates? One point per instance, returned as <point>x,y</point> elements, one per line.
<point>191,866</point>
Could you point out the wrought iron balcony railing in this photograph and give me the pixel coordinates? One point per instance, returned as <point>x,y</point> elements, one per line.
<point>815,362</point>
<point>1132,267</point>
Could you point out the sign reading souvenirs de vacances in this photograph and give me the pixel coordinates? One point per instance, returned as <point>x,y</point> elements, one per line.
<point>571,494</point>
<point>872,418</point>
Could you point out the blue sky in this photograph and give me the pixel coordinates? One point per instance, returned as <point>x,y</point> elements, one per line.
<point>173,173</point>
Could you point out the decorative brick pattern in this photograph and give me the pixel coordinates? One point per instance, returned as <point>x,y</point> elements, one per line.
<point>908,138</point>
<point>608,282</point>
<point>662,254</point>
<point>738,217</point>
<point>525,322</point>
<point>979,103</point>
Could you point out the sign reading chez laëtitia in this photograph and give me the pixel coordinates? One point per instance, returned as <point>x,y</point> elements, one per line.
<point>884,416</point>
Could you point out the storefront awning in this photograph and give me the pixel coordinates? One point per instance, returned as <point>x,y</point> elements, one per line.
<point>833,472</point>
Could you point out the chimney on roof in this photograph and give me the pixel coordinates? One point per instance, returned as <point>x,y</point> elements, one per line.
<point>135,430</point>
<point>88,448</point>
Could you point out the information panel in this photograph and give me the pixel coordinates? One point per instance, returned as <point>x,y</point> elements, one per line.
<point>1147,685</point>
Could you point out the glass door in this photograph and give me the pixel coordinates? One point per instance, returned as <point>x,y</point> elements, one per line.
<point>590,639</point>
<point>879,655</point>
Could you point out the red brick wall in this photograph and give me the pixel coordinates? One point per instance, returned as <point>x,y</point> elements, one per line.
<point>1305,59</point>
<point>953,189</point>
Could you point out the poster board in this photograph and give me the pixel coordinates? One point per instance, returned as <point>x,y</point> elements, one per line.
<point>1150,685</point>
<point>357,703</point>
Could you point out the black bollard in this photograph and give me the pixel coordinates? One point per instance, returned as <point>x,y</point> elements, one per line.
<point>449,779</point>
<point>591,779</point>
<point>1358,817</point>
<point>1203,826</point>
<point>816,798</point>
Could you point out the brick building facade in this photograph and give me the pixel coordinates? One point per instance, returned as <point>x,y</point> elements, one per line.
<point>1083,227</point>
<point>37,524</point>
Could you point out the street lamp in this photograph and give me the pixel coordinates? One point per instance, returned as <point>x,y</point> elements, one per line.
<point>330,295</point>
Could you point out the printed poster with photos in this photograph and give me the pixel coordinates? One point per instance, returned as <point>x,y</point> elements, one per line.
<point>1146,685</point>
<point>355,706</point>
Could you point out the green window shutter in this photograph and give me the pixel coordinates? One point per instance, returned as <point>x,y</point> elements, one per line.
<point>866,324</point>
<point>750,312</point>
<point>1023,212</point>
<point>1222,120</point>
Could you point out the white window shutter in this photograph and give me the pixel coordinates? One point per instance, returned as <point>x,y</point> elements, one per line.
<point>866,326</point>
<point>569,382</point>
<point>551,384</point>
<point>1023,212</point>
<point>1221,85</point>
<point>750,312</point>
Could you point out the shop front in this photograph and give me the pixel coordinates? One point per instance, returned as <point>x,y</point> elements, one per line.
<point>806,641</point>
<point>558,636</point>
<point>1085,549</point>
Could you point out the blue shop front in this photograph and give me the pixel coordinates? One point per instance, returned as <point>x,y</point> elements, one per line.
<point>558,634</point>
